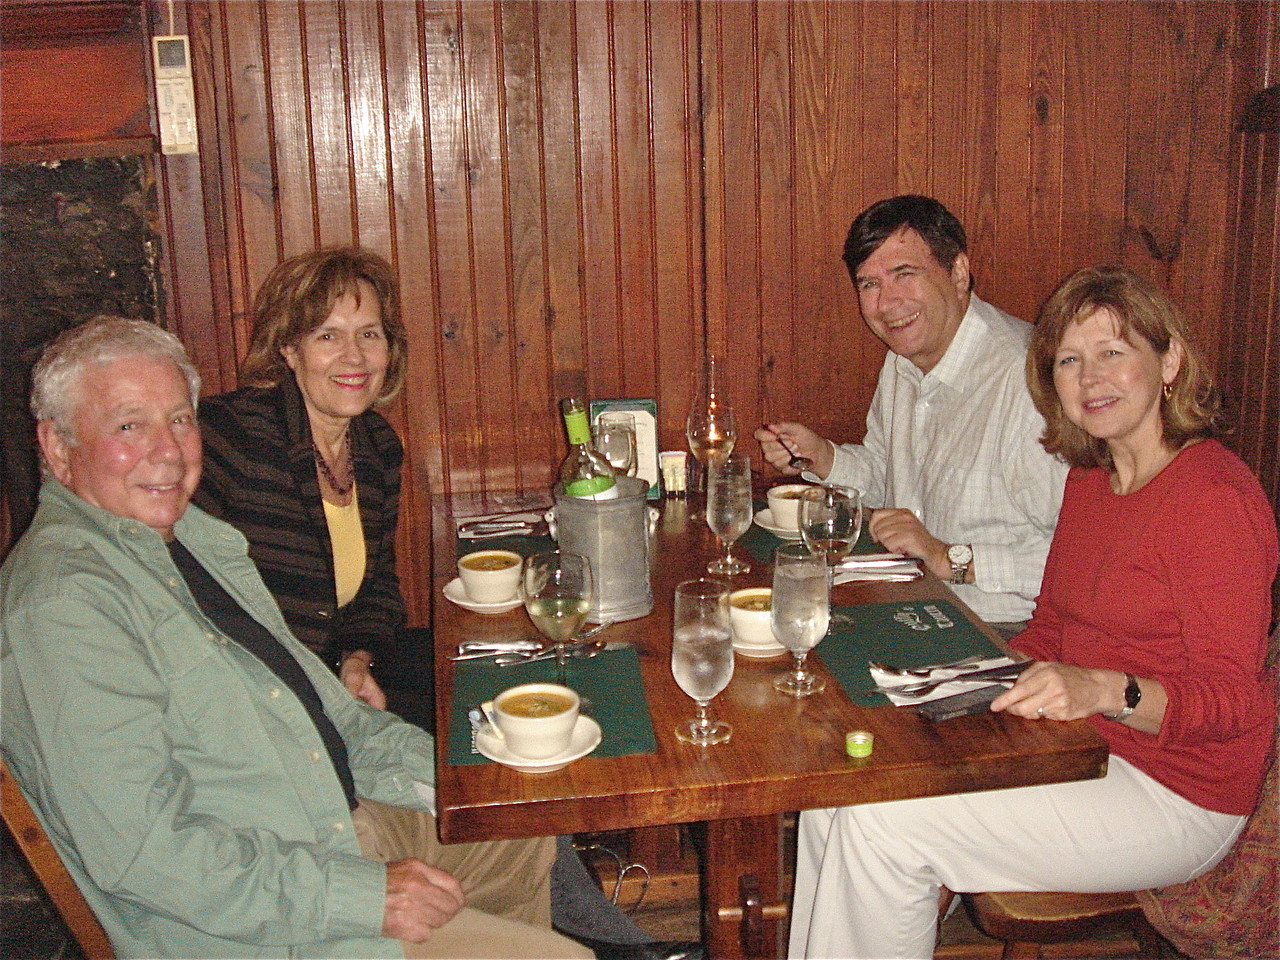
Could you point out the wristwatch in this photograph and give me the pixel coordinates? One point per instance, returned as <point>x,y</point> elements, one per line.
<point>1132,696</point>
<point>960,556</point>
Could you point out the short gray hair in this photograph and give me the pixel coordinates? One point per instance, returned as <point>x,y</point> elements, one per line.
<point>101,340</point>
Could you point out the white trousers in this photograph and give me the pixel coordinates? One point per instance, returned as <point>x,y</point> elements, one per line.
<point>867,877</point>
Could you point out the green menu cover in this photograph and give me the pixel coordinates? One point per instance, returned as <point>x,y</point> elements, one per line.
<point>911,634</point>
<point>610,680</point>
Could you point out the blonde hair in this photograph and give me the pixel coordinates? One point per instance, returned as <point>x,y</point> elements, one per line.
<point>298,296</point>
<point>1191,408</point>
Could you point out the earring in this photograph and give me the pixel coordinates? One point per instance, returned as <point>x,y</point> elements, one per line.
<point>1168,390</point>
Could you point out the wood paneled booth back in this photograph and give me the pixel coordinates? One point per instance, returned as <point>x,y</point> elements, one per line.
<point>586,197</point>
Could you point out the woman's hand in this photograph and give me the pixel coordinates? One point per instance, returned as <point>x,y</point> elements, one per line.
<point>1056,691</point>
<point>358,679</point>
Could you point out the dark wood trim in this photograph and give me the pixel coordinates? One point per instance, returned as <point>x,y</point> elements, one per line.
<point>41,23</point>
<point>62,150</point>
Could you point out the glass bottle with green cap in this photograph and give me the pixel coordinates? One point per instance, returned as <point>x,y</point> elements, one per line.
<point>584,472</point>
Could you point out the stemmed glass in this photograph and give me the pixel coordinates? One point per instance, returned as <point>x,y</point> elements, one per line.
<point>830,522</point>
<point>801,604</point>
<point>729,509</point>
<point>614,438</point>
<point>710,427</point>
<point>702,655</point>
<point>557,591</point>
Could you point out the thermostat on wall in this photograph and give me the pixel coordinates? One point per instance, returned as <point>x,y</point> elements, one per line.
<point>175,95</point>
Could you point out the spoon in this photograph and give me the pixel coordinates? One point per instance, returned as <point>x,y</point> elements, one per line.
<point>1009,672</point>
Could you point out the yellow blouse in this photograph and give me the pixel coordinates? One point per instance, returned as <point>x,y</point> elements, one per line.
<point>347,536</point>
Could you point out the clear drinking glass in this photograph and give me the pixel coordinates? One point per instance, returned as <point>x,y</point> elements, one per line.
<point>830,522</point>
<point>702,655</point>
<point>557,590</point>
<point>710,427</point>
<point>614,438</point>
<point>801,605</point>
<point>729,509</point>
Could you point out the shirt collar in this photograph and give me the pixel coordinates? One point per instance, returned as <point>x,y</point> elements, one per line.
<point>963,351</point>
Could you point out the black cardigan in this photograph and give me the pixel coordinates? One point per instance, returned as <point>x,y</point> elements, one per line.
<point>260,476</point>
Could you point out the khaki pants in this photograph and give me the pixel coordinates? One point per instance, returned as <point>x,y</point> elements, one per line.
<point>506,882</point>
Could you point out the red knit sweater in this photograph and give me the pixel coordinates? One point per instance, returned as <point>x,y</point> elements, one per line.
<point>1172,583</point>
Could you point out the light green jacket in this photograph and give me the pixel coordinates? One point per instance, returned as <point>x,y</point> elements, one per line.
<point>182,783</point>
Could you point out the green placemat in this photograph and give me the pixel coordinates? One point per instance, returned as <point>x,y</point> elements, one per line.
<point>524,545</point>
<point>611,680</point>
<point>761,543</point>
<point>913,634</point>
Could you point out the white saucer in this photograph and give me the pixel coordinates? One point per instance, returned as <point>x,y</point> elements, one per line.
<point>765,519</point>
<point>585,738</point>
<point>453,591</point>
<point>760,653</point>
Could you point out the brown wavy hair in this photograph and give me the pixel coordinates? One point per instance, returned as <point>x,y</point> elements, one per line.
<point>1192,408</point>
<point>298,296</point>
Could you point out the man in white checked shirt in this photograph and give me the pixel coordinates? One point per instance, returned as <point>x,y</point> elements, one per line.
<point>951,455</point>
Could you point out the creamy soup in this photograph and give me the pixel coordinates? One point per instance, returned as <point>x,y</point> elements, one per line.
<point>536,704</point>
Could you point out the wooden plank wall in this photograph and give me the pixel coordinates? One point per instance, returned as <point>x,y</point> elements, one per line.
<point>577,194</point>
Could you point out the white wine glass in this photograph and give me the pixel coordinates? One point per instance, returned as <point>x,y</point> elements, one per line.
<point>557,591</point>
<point>801,606</point>
<point>729,509</point>
<point>830,524</point>
<point>702,656</point>
<point>614,438</point>
<point>710,427</point>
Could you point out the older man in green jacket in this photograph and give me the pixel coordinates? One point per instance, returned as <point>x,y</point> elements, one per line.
<point>211,785</point>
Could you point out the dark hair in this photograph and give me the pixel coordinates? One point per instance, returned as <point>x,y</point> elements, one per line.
<point>1191,408</point>
<point>926,216</point>
<point>298,296</point>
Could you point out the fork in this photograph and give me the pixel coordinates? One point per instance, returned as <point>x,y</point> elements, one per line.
<point>923,672</point>
<point>1008,672</point>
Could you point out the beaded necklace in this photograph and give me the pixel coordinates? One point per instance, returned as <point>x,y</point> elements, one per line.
<point>341,489</point>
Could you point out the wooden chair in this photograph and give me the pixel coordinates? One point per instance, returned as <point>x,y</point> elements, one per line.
<point>49,869</point>
<point>1024,922</point>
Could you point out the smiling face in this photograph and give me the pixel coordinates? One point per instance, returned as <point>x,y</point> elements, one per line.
<point>341,365</point>
<point>910,300</point>
<point>137,446</point>
<point>1110,386</point>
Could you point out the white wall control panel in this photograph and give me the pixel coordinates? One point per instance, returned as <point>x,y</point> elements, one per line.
<point>175,95</point>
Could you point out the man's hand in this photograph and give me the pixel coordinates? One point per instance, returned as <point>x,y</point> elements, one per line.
<point>902,532</point>
<point>420,899</point>
<point>782,441</point>
<point>358,679</point>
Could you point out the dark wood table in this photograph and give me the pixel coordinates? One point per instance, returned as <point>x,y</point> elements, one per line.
<point>785,754</point>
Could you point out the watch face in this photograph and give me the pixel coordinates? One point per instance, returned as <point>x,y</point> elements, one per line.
<point>959,553</point>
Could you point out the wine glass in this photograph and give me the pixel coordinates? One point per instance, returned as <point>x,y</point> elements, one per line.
<point>830,522</point>
<point>614,437</point>
<point>557,591</point>
<point>702,655</point>
<point>729,509</point>
<point>801,605</point>
<point>710,426</point>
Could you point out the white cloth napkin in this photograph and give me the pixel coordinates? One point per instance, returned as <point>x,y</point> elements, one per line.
<point>893,567</point>
<point>531,516</point>
<point>886,682</point>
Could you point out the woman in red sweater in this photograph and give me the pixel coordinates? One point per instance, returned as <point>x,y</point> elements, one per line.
<point>1151,623</point>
